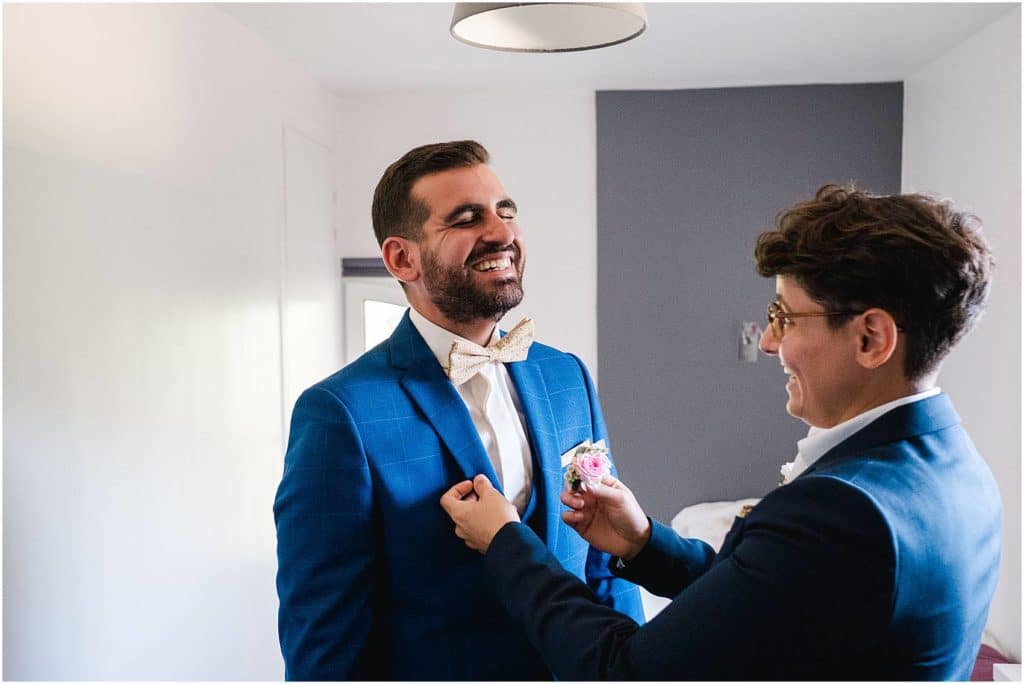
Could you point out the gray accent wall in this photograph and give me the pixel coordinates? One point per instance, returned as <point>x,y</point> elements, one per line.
<point>686,180</point>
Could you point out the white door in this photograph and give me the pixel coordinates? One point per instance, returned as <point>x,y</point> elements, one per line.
<point>310,325</point>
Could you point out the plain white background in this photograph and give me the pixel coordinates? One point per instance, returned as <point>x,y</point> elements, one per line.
<point>155,157</point>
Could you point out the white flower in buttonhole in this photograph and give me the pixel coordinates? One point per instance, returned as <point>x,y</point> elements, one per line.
<point>785,472</point>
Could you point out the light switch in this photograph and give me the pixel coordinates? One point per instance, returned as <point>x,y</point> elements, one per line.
<point>750,334</point>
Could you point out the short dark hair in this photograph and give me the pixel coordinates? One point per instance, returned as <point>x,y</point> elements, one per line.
<point>395,211</point>
<point>912,255</point>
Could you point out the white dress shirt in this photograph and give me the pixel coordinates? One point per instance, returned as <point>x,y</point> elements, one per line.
<point>820,441</point>
<point>496,412</point>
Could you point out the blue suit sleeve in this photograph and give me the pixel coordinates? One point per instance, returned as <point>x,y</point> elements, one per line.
<point>325,546</point>
<point>611,591</point>
<point>668,563</point>
<point>810,582</point>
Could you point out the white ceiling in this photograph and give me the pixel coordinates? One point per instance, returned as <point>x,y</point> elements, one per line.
<point>380,47</point>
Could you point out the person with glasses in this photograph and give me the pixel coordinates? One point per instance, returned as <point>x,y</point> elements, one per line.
<point>878,556</point>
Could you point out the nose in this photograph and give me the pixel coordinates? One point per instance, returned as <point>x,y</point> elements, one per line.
<point>768,343</point>
<point>499,231</point>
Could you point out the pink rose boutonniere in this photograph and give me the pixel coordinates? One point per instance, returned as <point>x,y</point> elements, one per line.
<point>585,465</point>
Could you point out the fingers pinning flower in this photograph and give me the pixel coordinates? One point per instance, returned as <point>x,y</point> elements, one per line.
<point>589,463</point>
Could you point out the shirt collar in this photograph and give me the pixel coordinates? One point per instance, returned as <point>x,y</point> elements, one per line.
<point>438,339</point>
<point>820,441</point>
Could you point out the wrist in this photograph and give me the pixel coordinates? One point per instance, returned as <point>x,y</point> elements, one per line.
<point>639,543</point>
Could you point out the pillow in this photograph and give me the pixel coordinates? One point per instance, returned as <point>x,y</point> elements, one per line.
<point>709,522</point>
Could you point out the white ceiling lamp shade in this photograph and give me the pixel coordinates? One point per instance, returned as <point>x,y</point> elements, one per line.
<point>547,26</point>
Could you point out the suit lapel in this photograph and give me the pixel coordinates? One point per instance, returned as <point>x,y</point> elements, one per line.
<point>540,423</point>
<point>439,401</point>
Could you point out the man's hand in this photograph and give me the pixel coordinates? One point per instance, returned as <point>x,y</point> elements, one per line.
<point>478,511</point>
<point>608,516</point>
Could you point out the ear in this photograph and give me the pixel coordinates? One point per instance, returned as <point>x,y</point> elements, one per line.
<point>401,257</point>
<point>876,337</point>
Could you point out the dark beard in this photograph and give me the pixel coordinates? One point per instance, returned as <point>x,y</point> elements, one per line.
<point>454,293</point>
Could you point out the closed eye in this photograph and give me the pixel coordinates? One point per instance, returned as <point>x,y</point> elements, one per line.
<point>464,218</point>
<point>507,209</point>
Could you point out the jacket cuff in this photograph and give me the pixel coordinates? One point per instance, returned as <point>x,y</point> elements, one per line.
<point>651,557</point>
<point>508,543</point>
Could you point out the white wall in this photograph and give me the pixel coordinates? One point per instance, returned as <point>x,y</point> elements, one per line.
<point>542,147</point>
<point>145,230</point>
<point>962,138</point>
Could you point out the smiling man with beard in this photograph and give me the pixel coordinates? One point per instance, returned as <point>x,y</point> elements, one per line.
<point>372,582</point>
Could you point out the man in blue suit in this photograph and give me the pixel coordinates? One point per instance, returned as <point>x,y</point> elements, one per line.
<point>372,582</point>
<point>878,557</point>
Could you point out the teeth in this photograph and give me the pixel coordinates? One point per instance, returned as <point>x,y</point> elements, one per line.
<point>493,264</point>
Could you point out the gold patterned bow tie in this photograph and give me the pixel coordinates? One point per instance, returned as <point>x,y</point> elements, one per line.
<point>466,359</point>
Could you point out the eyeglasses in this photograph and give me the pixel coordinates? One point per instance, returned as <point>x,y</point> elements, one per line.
<point>777,317</point>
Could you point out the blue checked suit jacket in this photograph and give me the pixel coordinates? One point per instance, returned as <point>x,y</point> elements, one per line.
<point>372,580</point>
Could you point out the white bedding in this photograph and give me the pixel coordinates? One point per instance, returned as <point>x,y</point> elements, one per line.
<point>709,522</point>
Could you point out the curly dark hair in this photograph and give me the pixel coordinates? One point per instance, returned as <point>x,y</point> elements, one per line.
<point>395,211</point>
<point>912,255</point>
